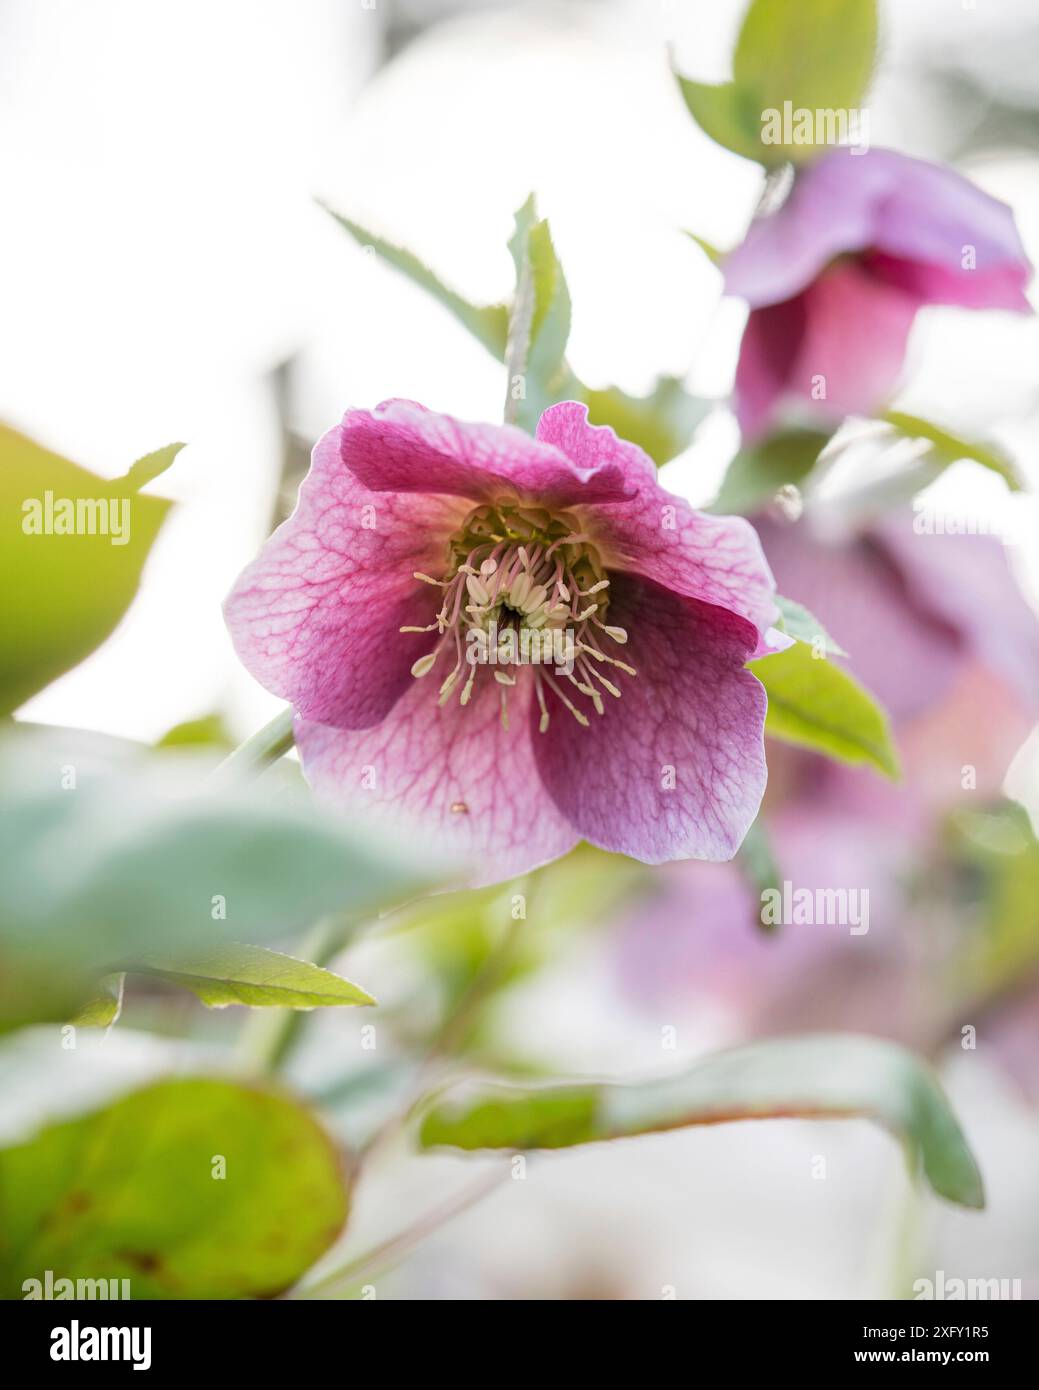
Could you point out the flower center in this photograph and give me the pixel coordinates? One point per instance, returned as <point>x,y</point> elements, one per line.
<point>524,587</point>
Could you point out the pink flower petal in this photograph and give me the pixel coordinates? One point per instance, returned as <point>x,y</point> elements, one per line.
<point>840,347</point>
<point>400,447</point>
<point>845,203</point>
<point>315,617</point>
<point>658,534</point>
<point>450,775</point>
<point>692,711</point>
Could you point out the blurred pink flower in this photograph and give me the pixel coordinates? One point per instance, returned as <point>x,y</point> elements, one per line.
<point>420,542</point>
<point>937,627</point>
<point>834,279</point>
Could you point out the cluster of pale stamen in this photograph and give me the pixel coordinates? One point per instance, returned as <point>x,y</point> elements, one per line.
<point>522,567</point>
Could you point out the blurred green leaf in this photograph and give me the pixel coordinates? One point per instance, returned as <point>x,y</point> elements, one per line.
<point>539,323</point>
<point>662,423</point>
<point>818,55</point>
<point>243,974</point>
<point>947,448</point>
<point>209,731</point>
<point>64,594</point>
<point>190,1188</point>
<point>815,704</point>
<point>814,1077</point>
<point>757,863</point>
<point>757,473</point>
<point>103,1008</point>
<point>489,323</point>
<point>102,864</point>
<point>796,621</point>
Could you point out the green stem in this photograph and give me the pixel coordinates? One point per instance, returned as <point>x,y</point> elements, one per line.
<point>390,1252</point>
<point>250,758</point>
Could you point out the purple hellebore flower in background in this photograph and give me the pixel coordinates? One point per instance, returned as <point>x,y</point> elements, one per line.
<point>834,279</point>
<point>938,628</point>
<point>421,543</point>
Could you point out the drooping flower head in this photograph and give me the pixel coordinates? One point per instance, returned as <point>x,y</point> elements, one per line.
<point>511,644</point>
<point>835,277</point>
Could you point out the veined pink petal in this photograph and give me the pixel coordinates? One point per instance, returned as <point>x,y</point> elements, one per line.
<point>451,775</point>
<point>844,359</point>
<point>400,447</point>
<point>657,534</point>
<point>316,616</point>
<point>675,768</point>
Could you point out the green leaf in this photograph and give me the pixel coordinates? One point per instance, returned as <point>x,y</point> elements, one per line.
<point>64,594</point>
<point>947,448</point>
<point>814,704</point>
<point>814,1077</point>
<point>729,115</point>
<point>662,423</point>
<point>243,974</point>
<point>105,1006</point>
<point>209,731</point>
<point>103,862</point>
<point>151,466</point>
<point>818,55</point>
<point>539,323</point>
<point>134,1191</point>
<point>796,621</point>
<point>756,474</point>
<point>757,863</point>
<point>489,323</point>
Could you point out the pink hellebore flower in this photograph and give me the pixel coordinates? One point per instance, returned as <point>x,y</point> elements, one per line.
<point>835,277</point>
<point>424,544</point>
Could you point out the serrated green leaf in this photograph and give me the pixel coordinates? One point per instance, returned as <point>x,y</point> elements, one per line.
<point>252,975</point>
<point>151,466</point>
<point>815,1077</point>
<point>815,704</point>
<point>64,594</point>
<point>539,324</point>
<point>796,621</point>
<point>757,473</point>
<point>487,322</point>
<point>192,1188</point>
<point>947,448</point>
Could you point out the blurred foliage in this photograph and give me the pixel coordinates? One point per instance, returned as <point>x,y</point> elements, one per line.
<point>65,593</point>
<point>209,731</point>
<point>817,55</point>
<point>796,621</point>
<point>662,423</point>
<point>191,1188</point>
<point>758,472</point>
<point>105,863</point>
<point>253,975</point>
<point>837,1075</point>
<point>815,704</point>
